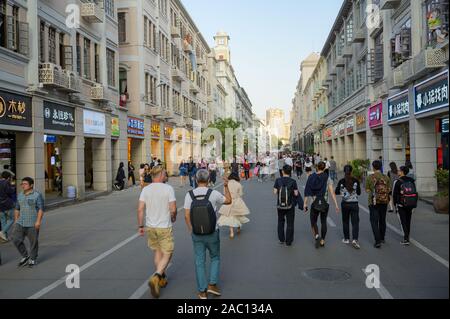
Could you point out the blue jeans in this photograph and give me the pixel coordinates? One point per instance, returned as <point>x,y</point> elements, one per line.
<point>201,245</point>
<point>333,175</point>
<point>7,220</point>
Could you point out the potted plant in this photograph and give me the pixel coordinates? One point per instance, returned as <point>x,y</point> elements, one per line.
<point>440,201</point>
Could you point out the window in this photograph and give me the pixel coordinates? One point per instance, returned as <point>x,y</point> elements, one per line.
<point>401,45</point>
<point>437,21</point>
<point>123,86</point>
<point>109,7</point>
<point>150,88</point>
<point>349,30</point>
<point>3,23</point>
<point>111,65</point>
<point>15,29</point>
<point>78,54</point>
<point>122,25</point>
<point>62,51</point>
<point>97,63</point>
<point>145,31</point>
<point>52,45</point>
<point>87,59</point>
<point>163,7</point>
<point>378,58</point>
<point>42,42</point>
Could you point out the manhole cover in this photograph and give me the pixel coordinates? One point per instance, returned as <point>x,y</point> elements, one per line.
<point>325,274</point>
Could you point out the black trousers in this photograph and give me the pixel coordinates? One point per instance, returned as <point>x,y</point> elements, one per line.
<point>314,217</point>
<point>350,211</point>
<point>286,216</point>
<point>378,221</point>
<point>405,218</point>
<point>247,174</point>
<point>133,178</point>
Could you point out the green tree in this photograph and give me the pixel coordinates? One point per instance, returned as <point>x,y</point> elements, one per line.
<point>222,125</point>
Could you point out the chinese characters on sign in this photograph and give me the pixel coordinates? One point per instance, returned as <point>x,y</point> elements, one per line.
<point>350,125</point>
<point>431,94</point>
<point>135,126</point>
<point>398,106</point>
<point>376,115</point>
<point>328,133</point>
<point>94,123</point>
<point>15,110</point>
<point>58,117</point>
<point>168,130</point>
<point>156,130</point>
<point>361,121</point>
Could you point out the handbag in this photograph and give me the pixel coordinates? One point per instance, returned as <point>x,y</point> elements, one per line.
<point>320,204</point>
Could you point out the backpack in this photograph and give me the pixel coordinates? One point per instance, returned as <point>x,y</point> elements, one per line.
<point>203,215</point>
<point>285,198</point>
<point>408,195</point>
<point>381,195</point>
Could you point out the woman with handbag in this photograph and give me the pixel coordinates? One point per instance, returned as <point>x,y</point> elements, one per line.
<point>319,186</point>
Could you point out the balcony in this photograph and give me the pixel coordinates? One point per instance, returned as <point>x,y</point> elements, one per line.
<point>389,4</point>
<point>52,76</point>
<point>340,63</point>
<point>175,32</point>
<point>332,72</point>
<point>73,82</point>
<point>348,52</point>
<point>381,90</point>
<point>167,114</point>
<point>97,93</point>
<point>397,78</point>
<point>92,12</point>
<point>359,36</point>
<point>427,60</point>
<point>194,89</point>
<point>201,61</point>
<point>177,75</point>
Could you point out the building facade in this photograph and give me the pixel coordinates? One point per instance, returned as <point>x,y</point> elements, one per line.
<point>387,86</point>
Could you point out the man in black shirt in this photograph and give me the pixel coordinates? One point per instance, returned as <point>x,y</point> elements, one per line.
<point>286,190</point>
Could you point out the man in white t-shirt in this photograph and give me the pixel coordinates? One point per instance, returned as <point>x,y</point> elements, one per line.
<point>161,212</point>
<point>207,242</point>
<point>289,161</point>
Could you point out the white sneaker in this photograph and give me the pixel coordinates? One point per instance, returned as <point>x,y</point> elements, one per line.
<point>356,245</point>
<point>346,241</point>
<point>3,236</point>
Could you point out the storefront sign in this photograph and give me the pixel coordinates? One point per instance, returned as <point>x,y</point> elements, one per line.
<point>156,130</point>
<point>135,126</point>
<point>444,128</point>
<point>94,123</point>
<point>328,133</point>
<point>361,121</point>
<point>398,106</point>
<point>168,130</point>
<point>431,94</point>
<point>115,127</point>
<point>350,125</point>
<point>49,139</point>
<point>15,110</point>
<point>342,129</point>
<point>59,117</point>
<point>376,115</point>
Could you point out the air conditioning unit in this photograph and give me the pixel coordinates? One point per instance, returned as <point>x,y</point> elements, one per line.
<point>175,32</point>
<point>348,52</point>
<point>92,12</point>
<point>98,93</point>
<point>359,36</point>
<point>398,77</point>
<point>73,82</point>
<point>51,75</point>
<point>397,143</point>
<point>340,63</point>
<point>407,70</point>
<point>389,4</point>
<point>428,60</point>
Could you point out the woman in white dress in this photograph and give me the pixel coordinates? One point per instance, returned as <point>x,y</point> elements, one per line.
<point>234,215</point>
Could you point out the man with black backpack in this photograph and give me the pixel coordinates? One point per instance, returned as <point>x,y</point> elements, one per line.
<point>405,200</point>
<point>378,186</point>
<point>286,190</point>
<point>201,213</point>
<point>319,186</point>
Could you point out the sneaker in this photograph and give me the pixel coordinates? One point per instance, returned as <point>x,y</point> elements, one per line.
<point>346,241</point>
<point>32,263</point>
<point>23,261</point>
<point>3,236</point>
<point>377,245</point>
<point>281,243</point>
<point>383,241</point>
<point>356,245</point>
<point>317,242</point>
<point>154,285</point>
<point>322,243</point>
<point>405,243</point>
<point>163,282</point>
<point>214,290</point>
<point>202,295</point>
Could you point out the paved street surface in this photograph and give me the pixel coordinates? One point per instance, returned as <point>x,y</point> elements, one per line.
<point>100,237</point>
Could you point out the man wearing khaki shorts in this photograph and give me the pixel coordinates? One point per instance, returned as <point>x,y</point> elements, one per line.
<point>159,201</point>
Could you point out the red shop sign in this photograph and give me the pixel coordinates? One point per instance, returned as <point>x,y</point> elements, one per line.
<point>376,115</point>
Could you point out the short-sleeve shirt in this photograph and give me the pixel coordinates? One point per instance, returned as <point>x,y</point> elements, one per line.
<point>29,206</point>
<point>157,198</point>
<point>216,199</point>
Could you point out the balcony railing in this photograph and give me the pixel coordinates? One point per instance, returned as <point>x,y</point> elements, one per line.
<point>177,74</point>
<point>389,4</point>
<point>92,12</point>
<point>51,75</point>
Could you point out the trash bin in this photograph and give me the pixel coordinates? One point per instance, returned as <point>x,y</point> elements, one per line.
<point>71,192</point>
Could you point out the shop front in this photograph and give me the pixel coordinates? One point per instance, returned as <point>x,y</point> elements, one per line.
<point>360,136</point>
<point>328,141</point>
<point>429,136</point>
<point>341,145</point>
<point>95,151</point>
<point>349,139</point>
<point>115,145</point>
<point>375,116</point>
<point>136,142</point>
<point>156,139</point>
<point>169,145</point>
<point>16,132</point>
<point>59,134</point>
<point>397,130</point>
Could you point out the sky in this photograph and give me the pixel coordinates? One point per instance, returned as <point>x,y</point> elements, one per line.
<point>269,39</point>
